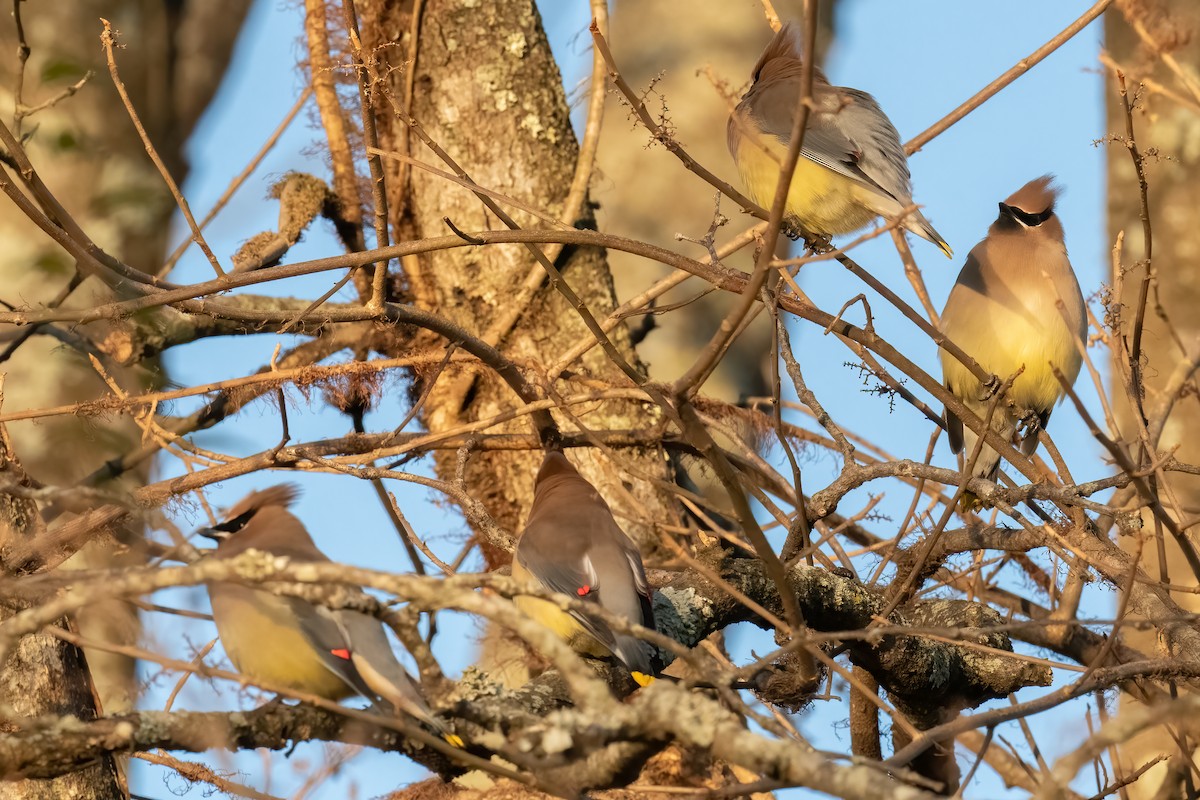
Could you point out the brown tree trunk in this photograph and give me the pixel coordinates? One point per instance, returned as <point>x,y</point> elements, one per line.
<point>1165,133</point>
<point>44,677</point>
<point>487,90</point>
<point>87,152</point>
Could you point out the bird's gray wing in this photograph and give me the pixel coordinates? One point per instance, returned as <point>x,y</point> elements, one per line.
<point>574,577</point>
<point>645,594</point>
<point>320,627</point>
<point>638,655</point>
<point>319,624</point>
<point>848,133</point>
<point>879,154</point>
<point>377,665</point>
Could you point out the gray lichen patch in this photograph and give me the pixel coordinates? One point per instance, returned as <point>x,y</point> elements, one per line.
<point>682,614</point>
<point>255,250</point>
<point>495,82</point>
<point>475,684</point>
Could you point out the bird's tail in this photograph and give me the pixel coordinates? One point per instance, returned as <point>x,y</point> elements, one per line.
<point>917,223</point>
<point>968,502</point>
<point>639,657</point>
<point>439,727</point>
<point>642,678</point>
<point>425,715</point>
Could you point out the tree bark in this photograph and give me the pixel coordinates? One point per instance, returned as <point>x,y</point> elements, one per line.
<point>44,677</point>
<point>1165,133</point>
<point>86,150</point>
<point>489,92</point>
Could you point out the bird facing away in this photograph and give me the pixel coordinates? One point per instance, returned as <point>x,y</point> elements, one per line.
<point>572,545</point>
<point>289,642</point>
<point>1003,312</point>
<point>852,167</point>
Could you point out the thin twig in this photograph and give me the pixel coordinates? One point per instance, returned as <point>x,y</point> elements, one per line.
<point>366,80</point>
<point>240,179</point>
<point>108,38</point>
<point>1017,70</point>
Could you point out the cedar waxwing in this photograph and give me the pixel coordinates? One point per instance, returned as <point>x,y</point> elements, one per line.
<point>1003,313</point>
<point>289,642</point>
<point>852,167</point>
<point>572,545</point>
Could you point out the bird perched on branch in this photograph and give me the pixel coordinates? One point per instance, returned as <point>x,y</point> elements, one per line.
<point>572,545</point>
<point>292,643</point>
<point>1004,311</point>
<point>852,167</point>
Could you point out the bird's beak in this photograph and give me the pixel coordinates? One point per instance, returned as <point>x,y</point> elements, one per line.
<point>213,533</point>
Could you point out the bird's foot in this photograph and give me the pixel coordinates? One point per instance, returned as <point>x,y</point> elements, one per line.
<point>986,390</point>
<point>818,244</point>
<point>1029,424</point>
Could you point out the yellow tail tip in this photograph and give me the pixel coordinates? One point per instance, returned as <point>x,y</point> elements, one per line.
<point>642,678</point>
<point>945,248</point>
<point>453,740</point>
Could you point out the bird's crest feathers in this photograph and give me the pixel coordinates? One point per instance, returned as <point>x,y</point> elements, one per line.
<point>1035,197</point>
<point>282,495</point>
<point>247,508</point>
<point>785,44</point>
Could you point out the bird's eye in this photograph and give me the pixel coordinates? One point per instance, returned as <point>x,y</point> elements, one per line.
<point>1026,218</point>
<point>237,523</point>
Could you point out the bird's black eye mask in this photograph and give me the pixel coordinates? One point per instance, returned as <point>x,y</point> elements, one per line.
<point>1024,217</point>
<point>229,526</point>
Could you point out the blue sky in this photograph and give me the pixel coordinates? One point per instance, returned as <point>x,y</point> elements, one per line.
<point>919,60</point>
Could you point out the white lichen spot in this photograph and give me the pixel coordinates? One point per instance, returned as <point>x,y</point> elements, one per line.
<point>493,80</point>
<point>504,98</point>
<point>477,780</point>
<point>451,45</point>
<point>489,77</point>
<point>449,114</point>
<point>516,45</point>
<point>533,123</point>
<point>123,731</point>
<point>470,4</point>
<point>556,740</point>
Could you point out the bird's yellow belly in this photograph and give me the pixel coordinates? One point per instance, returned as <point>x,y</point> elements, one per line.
<point>1004,340</point>
<point>563,624</point>
<point>264,650</point>
<point>821,200</point>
